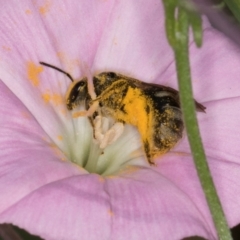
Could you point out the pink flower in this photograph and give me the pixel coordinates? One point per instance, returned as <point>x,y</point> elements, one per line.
<point>42,190</point>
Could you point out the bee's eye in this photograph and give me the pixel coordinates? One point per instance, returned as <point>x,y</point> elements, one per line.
<point>111,75</point>
<point>81,84</point>
<point>79,91</point>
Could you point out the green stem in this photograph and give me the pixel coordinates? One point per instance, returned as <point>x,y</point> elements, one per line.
<point>180,48</point>
<point>234,6</point>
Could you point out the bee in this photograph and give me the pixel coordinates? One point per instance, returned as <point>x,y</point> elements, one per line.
<point>153,109</point>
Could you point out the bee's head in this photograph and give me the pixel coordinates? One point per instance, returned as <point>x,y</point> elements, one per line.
<point>76,93</point>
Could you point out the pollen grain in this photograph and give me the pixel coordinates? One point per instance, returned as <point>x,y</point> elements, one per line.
<point>45,8</point>
<point>33,72</point>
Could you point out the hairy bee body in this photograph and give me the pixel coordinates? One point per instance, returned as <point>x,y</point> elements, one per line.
<point>153,109</point>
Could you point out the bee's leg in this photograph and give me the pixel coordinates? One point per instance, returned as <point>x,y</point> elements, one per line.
<point>148,153</point>
<point>87,72</point>
<point>93,108</point>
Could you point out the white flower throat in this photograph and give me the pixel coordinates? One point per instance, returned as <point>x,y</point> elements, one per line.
<point>109,153</point>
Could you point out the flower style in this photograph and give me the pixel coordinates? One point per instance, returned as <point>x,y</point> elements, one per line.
<point>45,187</point>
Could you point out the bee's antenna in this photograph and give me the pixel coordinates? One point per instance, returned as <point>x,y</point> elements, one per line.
<point>58,69</point>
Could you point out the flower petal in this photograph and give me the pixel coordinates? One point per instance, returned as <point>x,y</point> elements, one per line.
<point>37,31</point>
<point>139,205</point>
<point>218,130</point>
<point>59,197</point>
<point>28,157</point>
<point>214,67</point>
<point>134,41</point>
<point>181,172</point>
<point>71,208</point>
<point>146,205</point>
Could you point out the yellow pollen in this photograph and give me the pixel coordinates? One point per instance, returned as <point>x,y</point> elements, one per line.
<point>112,176</point>
<point>60,137</point>
<point>129,170</point>
<point>26,115</point>
<point>46,97</point>
<point>57,152</point>
<point>6,48</point>
<point>33,72</point>
<point>28,12</point>
<point>57,99</point>
<point>61,55</point>
<point>101,179</point>
<point>45,8</point>
<point>80,168</point>
<point>135,106</point>
<point>110,212</point>
<point>64,112</point>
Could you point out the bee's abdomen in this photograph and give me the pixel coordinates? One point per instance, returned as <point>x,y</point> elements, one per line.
<point>169,128</point>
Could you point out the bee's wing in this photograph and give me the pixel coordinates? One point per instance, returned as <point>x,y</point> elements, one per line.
<point>199,107</point>
<point>152,89</point>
